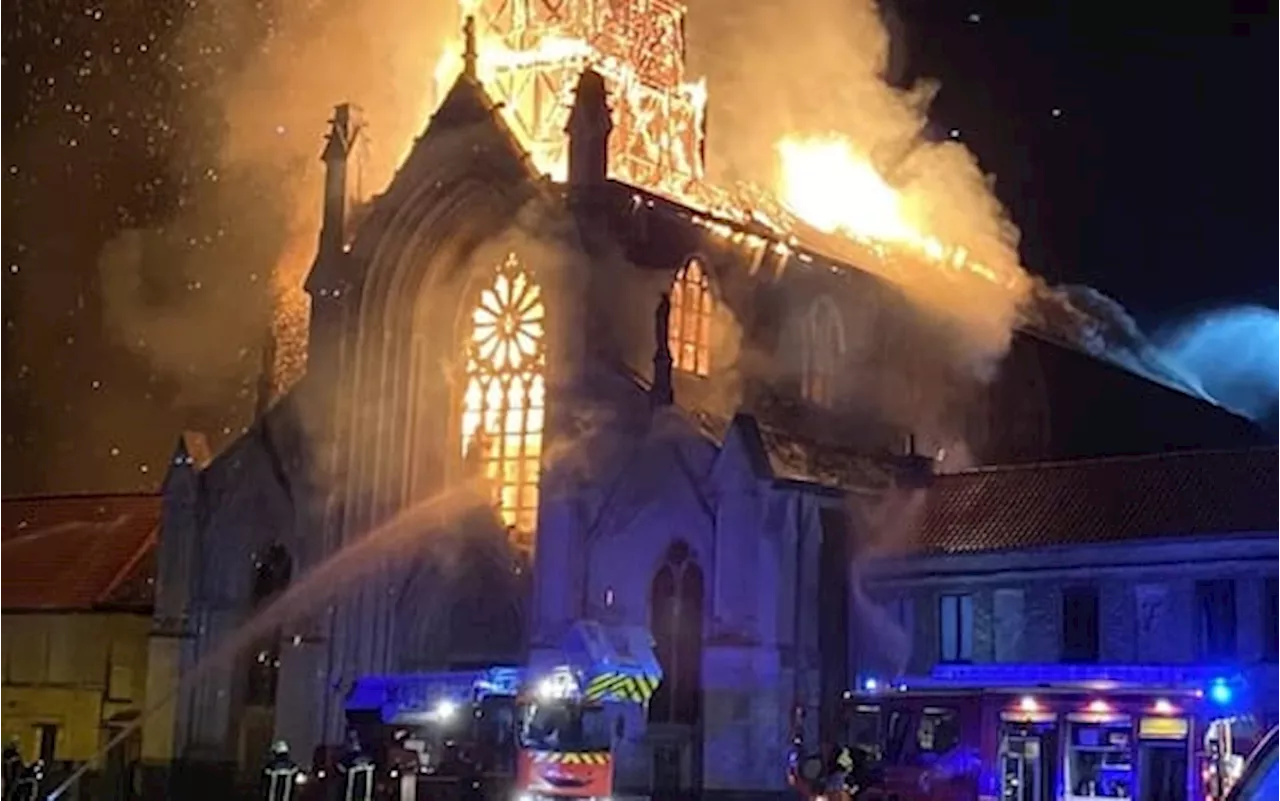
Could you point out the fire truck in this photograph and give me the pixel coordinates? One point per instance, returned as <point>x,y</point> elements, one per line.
<point>1039,733</point>
<point>507,731</point>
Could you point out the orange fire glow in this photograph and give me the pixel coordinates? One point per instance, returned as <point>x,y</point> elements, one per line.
<point>827,182</point>
<point>503,407</point>
<point>530,66</point>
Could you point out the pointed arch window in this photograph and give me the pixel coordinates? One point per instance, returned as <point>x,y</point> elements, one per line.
<point>676,602</point>
<point>824,351</point>
<point>690,328</point>
<point>504,403</point>
<point>272,573</point>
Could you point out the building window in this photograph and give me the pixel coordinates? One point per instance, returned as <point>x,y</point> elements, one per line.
<point>1008,622</point>
<point>690,328</point>
<point>955,628</point>
<point>824,350</point>
<point>1270,621</point>
<point>1080,640</point>
<point>675,612</point>
<point>272,573</point>
<point>1216,610</point>
<point>504,405</point>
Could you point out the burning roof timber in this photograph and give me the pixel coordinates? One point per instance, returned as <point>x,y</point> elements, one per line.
<point>1075,318</point>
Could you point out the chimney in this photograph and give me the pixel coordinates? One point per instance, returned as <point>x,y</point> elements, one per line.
<point>913,470</point>
<point>661,393</point>
<point>339,144</point>
<point>589,128</point>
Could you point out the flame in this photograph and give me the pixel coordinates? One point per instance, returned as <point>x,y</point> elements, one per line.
<point>827,183</point>
<point>830,184</point>
<point>503,407</point>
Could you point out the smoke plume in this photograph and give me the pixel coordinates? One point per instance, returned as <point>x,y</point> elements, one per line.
<point>197,295</point>
<point>262,77</point>
<point>815,69</point>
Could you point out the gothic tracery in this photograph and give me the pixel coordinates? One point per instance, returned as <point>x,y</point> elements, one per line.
<point>504,405</point>
<point>824,349</point>
<point>690,330</point>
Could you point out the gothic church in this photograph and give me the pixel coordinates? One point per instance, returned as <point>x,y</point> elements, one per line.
<point>677,422</point>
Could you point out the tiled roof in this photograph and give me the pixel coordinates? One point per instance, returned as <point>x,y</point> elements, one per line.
<point>1103,500</point>
<point>78,551</point>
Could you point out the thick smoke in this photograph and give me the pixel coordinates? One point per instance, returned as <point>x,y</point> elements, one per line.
<point>778,69</point>
<point>195,296</point>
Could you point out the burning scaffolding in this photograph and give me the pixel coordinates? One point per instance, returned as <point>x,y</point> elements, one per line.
<point>532,52</point>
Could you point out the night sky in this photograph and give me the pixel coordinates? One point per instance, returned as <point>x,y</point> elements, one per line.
<point>1134,147</point>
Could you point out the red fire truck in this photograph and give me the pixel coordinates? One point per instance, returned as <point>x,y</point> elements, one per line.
<point>1041,733</point>
<point>509,731</point>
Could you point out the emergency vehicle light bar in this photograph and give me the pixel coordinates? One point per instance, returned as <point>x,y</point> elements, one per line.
<point>1033,674</point>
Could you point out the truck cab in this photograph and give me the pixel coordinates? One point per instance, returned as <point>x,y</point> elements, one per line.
<point>532,733</point>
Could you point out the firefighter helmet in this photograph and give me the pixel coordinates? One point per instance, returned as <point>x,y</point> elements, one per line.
<point>280,748</point>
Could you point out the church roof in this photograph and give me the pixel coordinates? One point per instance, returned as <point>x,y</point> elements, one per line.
<point>1101,501</point>
<point>784,455</point>
<point>79,552</point>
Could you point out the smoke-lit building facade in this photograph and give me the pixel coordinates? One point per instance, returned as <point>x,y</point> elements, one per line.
<point>680,421</point>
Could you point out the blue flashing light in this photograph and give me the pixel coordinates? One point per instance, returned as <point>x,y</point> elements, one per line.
<point>1220,692</point>
<point>870,685</point>
<point>1032,674</point>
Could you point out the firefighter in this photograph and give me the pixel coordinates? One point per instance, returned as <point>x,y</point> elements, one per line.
<point>357,768</point>
<point>13,765</point>
<point>280,774</point>
<point>839,766</point>
<point>27,787</point>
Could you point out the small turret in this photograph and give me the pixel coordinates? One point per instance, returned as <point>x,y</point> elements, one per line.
<point>340,141</point>
<point>661,393</point>
<point>589,127</point>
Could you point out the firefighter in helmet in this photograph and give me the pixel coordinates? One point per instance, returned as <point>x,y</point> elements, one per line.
<point>27,787</point>
<point>281,774</point>
<point>357,770</point>
<point>13,765</point>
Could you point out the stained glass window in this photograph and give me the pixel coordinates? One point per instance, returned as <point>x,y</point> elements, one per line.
<point>504,406</point>
<point>690,328</point>
<point>823,351</point>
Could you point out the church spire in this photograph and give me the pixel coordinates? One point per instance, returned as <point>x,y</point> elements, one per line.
<point>469,47</point>
<point>661,393</point>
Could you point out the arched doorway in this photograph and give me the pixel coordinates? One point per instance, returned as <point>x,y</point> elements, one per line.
<point>676,601</point>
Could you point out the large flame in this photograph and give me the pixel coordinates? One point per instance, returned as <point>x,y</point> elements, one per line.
<point>831,186</point>
<point>829,183</point>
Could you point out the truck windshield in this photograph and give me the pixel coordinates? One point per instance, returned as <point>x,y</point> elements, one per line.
<point>562,726</point>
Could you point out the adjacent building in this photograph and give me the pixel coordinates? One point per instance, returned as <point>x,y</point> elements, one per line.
<point>1164,560</point>
<point>77,601</point>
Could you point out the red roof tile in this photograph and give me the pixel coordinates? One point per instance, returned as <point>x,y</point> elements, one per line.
<point>1103,500</point>
<point>78,551</point>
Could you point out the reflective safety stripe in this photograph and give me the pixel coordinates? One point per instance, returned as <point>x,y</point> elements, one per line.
<point>571,757</point>
<point>622,687</point>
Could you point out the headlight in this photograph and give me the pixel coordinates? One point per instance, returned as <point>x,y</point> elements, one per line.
<point>300,778</point>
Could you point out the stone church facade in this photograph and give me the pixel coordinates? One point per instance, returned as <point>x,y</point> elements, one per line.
<point>529,402</point>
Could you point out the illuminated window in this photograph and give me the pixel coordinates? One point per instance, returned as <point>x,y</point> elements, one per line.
<point>504,405</point>
<point>823,351</point>
<point>690,329</point>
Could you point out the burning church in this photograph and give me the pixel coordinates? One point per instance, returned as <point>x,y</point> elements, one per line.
<point>679,414</point>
